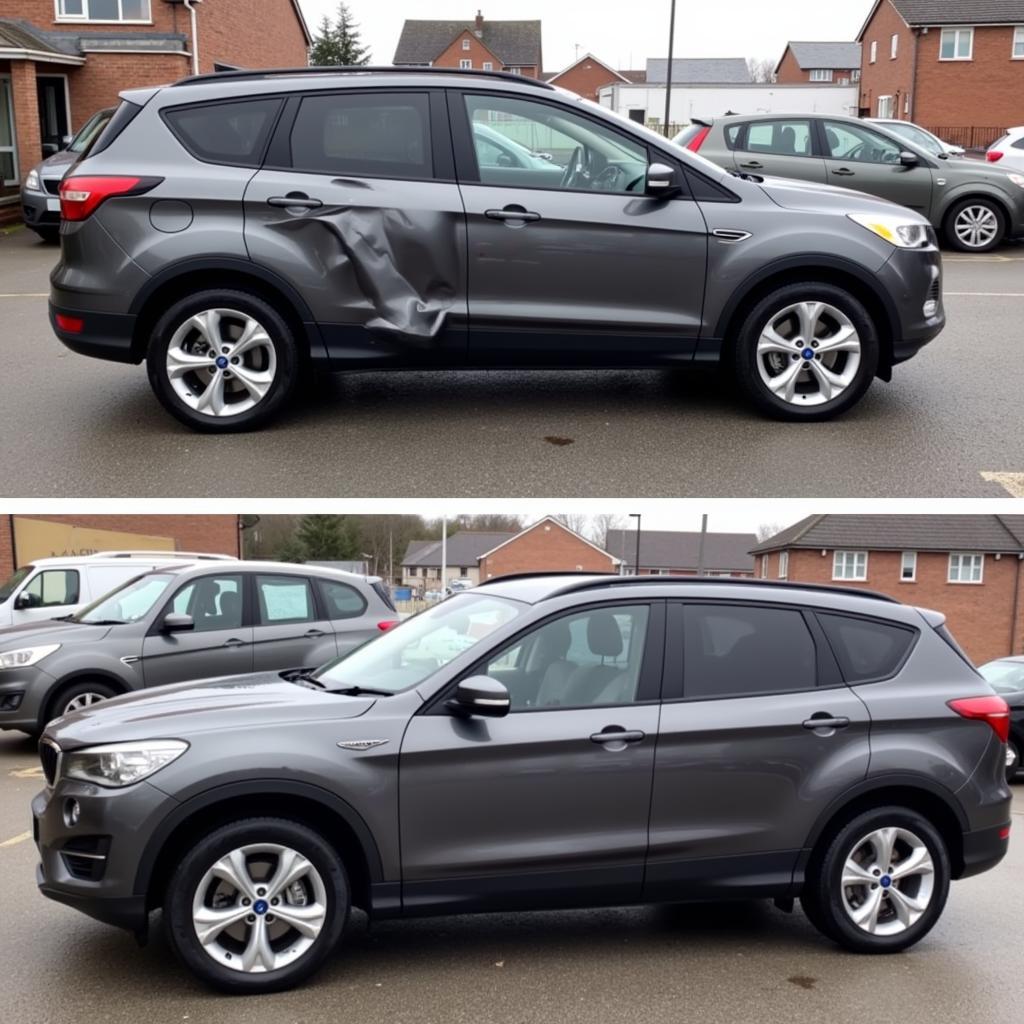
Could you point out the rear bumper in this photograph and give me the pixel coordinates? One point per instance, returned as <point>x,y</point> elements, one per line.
<point>984,848</point>
<point>103,335</point>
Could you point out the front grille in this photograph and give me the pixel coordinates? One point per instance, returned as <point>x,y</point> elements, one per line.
<point>49,756</point>
<point>52,185</point>
<point>85,857</point>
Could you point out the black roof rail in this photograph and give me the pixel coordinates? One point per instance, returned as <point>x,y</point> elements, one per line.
<point>354,69</point>
<point>540,575</point>
<point>588,581</point>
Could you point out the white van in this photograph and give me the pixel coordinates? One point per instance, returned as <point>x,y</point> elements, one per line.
<point>50,587</point>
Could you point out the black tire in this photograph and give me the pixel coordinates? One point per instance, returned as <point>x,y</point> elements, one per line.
<point>957,208</point>
<point>745,358</point>
<point>49,235</point>
<point>196,861</point>
<point>1013,760</point>
<point>822,898</point>
<point>57,704</point>
<point>285,350</point>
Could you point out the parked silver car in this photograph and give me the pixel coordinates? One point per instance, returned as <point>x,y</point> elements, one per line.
<point>1008,150</point>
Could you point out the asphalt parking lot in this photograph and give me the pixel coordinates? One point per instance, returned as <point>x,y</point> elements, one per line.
<point>947,426</point>
<point>744,962</point>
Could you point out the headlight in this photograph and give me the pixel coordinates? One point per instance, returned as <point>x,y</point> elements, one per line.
<point>32,182</point>
<point>899,231</point>
<point>25,656</point>
<point>121,764</point>
<point>1017,179</point>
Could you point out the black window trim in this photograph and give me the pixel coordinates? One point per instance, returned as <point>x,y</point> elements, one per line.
<point>258,158</point>
<point>320,583</point>
<point>923,160</point>
<point>39,576</point>
<point>649,682</point>
<point>155,629</point>
<point>319,611</point>
<point>906,626</point>
<point>814,137</point>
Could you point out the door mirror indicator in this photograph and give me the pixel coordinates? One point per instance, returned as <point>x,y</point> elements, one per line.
<point>480,695</point>
<point>908,159</point>
<point>175,623</point>
<point>662,180</point>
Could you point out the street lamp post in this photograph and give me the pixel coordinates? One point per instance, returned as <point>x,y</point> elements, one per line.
<point>668,72</point>
<point>636,563</point>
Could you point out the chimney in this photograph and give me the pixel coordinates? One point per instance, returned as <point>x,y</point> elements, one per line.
<point>479,30</point>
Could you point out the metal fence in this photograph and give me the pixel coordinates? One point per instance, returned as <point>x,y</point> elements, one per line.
<point>969,138</point>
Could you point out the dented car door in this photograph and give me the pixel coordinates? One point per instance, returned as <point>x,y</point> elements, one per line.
<point>357,208</point>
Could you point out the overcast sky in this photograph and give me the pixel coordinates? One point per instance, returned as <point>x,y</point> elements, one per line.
<point>619,32</point>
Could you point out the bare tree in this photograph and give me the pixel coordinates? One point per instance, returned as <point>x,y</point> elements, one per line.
<point>766,531</point>
<point>601,524</point>
<point>578,522</point>
<point>762,69</point>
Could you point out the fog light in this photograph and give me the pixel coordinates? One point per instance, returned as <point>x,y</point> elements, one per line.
<point>930,308</point>
<point>72,812</point>
<point>10,701</point>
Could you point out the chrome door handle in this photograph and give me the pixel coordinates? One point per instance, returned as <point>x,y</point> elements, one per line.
<point>297,200</point>
<point>312,634</point>
<point>754,165</point>
<point>826,722</point>
<point>618,736</point>
<point>233,642</point>
<point>844,171</point>
<point>512,213</point>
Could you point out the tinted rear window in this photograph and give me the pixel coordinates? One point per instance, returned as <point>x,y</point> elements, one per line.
<point>340,600</point>
<point>866,649</point>
<point>384,594</point>
<point>737,651</point>
<point>383,135</point>
<point>225,133</point>
<point>732,135</point>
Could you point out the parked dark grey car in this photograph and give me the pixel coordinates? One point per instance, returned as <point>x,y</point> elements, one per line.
<point>185,621</point>
<point>975,205</point>
<point>1006,677</point>
<point>541,742</point>
<point>233,228</point>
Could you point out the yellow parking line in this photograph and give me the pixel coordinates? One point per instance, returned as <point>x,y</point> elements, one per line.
<point>35,772</point>
<point>16,839</point>
<point>1012,483</point>
<point>24,295</point>
<point>990,295</point>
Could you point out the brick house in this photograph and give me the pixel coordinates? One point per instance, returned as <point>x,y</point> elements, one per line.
<point>546,546</point>
<point>677,552</point>
<point>421,564</point>
<point>954,66</point>
<point>970,567</point>
<point>62,60</point>
<point>479,45</point>
<point>23,538</point>
<point>586,75</point>
<point>836,62</point>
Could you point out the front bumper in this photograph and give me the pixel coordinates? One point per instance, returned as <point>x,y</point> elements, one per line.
<point>22,693</point>
<point>912,277</point>
<point>40,209</point>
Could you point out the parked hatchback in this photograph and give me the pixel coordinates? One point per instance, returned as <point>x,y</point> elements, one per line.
<point>541,742</point>
<point>1007,151</point>
<point>186,621</point>
<point>232,229</point>
<point>1006,677</point>
<point>975,206</point>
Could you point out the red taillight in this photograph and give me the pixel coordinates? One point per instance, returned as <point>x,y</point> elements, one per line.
<point>79,196</point>
<point>697,141</point>
<point>387,624</point>
<point>993,155</point>
<point>993,710</point>
<point>1004,833</point>
<point>71,324</point>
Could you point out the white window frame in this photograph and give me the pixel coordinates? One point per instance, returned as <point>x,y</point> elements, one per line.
<point>13,147</point>
<point>886,110</point>
<point>974,559</point>
<point>466,63</point>
<point>855,75</point>
<point>783,565</point>
<point>912,578</point>
<point>842,561</point>
<point>1017,41</point>
<point>84,16</point>
<point>515,71</point>
<point>488,65</point>
<point>956,43</point>
<point>466,43</point>
<point>873,51</point>
<point>894,46</point>
<point>906,103</point>
<point>764,567</point>
<point>821,75</point>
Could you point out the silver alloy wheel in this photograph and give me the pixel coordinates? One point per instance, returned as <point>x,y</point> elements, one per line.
<point>976,226</point>
<point>83,700</point>
<point>888,880</point>
<point>808,353</point>
<point>1012,760</point>
<point>221,362</point>
<point>259,908</point>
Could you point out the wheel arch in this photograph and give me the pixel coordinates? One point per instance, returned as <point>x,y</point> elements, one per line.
<point>974,192</point>
<point>825,269</point>
<point>337,821</point>
<point>66,682</point>
<point>188,276</point>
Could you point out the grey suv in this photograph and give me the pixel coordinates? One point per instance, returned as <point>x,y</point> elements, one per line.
<point>232,229</point>
<point>540,742</point>
<point>974,204</point>
<point>185,621</point>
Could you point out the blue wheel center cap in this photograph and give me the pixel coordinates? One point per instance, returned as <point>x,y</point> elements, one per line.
<point>222,362</point>
<point>808,353</point>
<point>260,907</point>
<point>885,881</point>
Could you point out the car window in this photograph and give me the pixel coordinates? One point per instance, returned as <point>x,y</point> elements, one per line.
<point>588,659</point>
<point>227,133</point>
<point>1019,143</point>
<point>128,603</point>
<point>214,602</point>
<point>918,137</point>
<point>858,144</point>
<point>283,599</point>
<point>1004,676</point>
<point>383,135</point>
<point>90,131</point>
<point>738,650</point>
<point>790,137</point>
<point>52,588</point>
<point>866,649</point>
<point>574,152</point>
<point>341,600</point>
<point>14,581</point>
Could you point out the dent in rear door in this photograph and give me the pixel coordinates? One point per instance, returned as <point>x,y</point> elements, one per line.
<point>375,240</point>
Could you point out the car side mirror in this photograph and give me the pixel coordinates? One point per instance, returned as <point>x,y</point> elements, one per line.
<point>480,695</point>
<point>25,600</point>
<point>662,180</point>
<point>66,140</point>
<point>908,159</point>
<point>175,623</point>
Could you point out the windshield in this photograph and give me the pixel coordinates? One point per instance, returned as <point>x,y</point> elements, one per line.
<point>918,136</point>
<point>89,131</point>
<point>14,581</point>
<point>128,603</point>
<point>1004,676</point>
<point>409,653</point>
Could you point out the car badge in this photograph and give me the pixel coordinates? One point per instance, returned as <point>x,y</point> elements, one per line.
<point>360,744</point>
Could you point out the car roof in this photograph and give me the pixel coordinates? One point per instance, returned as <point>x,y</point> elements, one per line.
<point>253,565</point>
